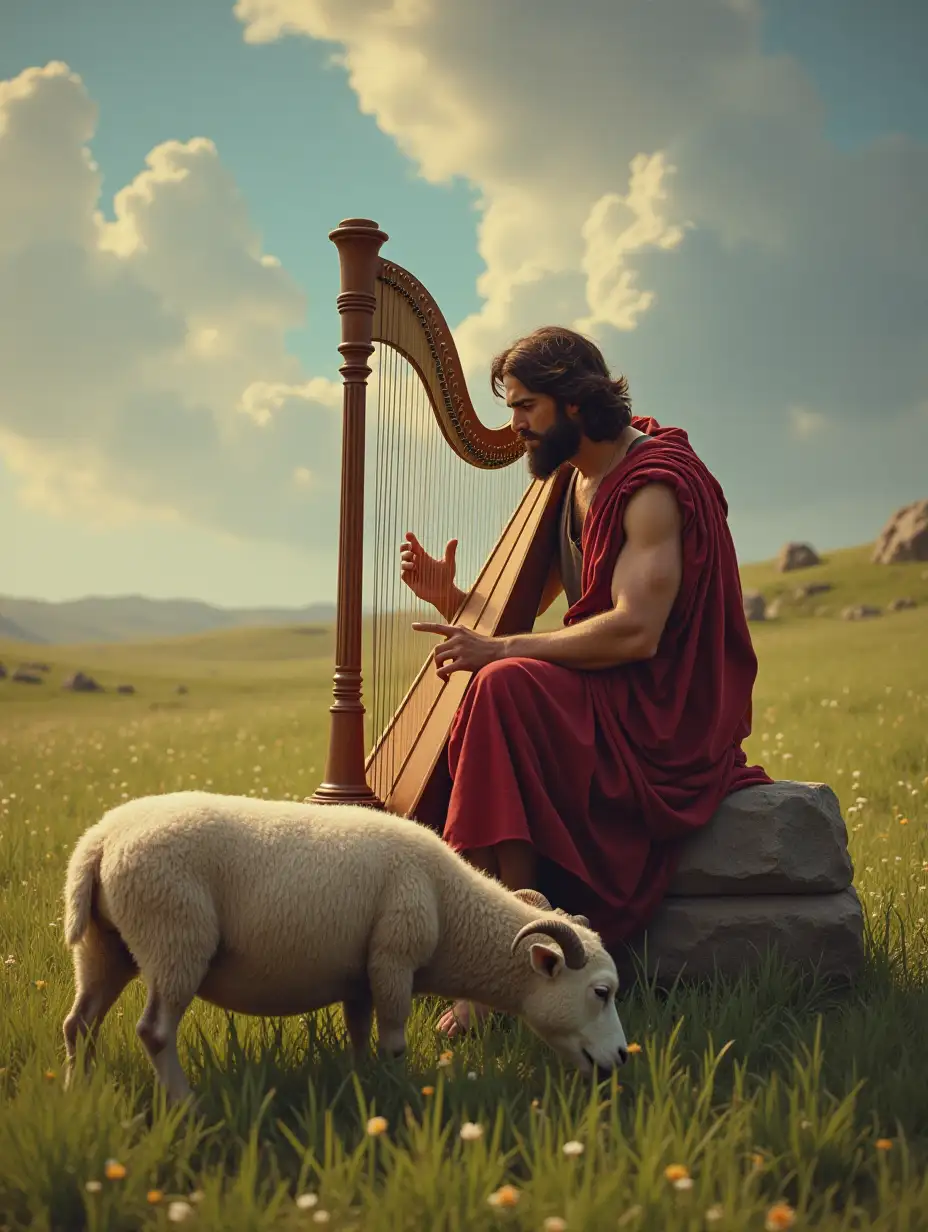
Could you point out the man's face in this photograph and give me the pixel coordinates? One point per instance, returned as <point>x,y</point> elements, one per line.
<point>552,436</point>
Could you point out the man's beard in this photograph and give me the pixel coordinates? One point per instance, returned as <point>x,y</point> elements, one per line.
<point>554,447</point>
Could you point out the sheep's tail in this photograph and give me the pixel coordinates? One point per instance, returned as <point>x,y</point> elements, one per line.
<point>83,875</point>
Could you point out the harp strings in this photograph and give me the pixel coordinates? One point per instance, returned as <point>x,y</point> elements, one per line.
<point>415,481</point>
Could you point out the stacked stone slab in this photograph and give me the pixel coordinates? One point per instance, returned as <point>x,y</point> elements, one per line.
<point>770,869</point>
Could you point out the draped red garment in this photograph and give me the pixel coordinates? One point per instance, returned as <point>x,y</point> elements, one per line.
<point>604,772</point>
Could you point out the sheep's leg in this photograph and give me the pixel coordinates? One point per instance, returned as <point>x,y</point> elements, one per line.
<point>157,1029</point>
<point>358,1011</point>
<point>177,935</point>
<point>391,985</point>
<point>102,969</point>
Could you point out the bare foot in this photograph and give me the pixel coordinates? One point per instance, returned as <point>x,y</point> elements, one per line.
<point>457,1020</point>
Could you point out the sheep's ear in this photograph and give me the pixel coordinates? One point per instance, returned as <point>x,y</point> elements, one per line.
<point>547,959</point>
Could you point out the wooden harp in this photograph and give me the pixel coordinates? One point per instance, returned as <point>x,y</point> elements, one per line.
<point>397,758</point>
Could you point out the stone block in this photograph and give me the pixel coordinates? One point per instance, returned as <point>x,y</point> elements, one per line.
<point>693,938</point>
<point>781,838</point>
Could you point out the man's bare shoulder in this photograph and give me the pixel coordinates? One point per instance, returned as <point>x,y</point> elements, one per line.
<point>653,514</point>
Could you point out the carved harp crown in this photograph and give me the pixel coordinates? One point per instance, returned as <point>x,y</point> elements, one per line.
<point>401,764</point>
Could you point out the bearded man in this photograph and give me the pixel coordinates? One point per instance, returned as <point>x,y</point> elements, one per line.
<point>580,758</point>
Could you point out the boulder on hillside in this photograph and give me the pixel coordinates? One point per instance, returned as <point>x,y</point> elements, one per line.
<point>902,605</point>
<point>22,676</point>
<point>861,611</point>
<point>778,838</point>
<point>2,672</point>
<point>125,688</point>
<point>80,682</point>
<point>755,605</point>
<point>797,556</point>
<point>905,536</point>
<point>812,588</point>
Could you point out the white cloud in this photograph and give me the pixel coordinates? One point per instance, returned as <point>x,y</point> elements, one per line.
<point>647,171</point>
<point>806,423</point>
<point>144,359</point>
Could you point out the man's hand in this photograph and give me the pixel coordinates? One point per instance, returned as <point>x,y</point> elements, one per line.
<point>462,650</point>
<point>429,578</point>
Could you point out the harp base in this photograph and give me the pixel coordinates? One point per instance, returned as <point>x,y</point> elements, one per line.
<point>339,793</point>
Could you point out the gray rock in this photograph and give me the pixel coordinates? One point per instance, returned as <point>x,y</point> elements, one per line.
<point>902,605</point>
<point>755,605</point>
<point>21,676</point>
<point>905,535</point>
<point>862,611</point>
<point>695,938</point>
<point>778,838</point>
<point>797,556</point>
<point>80,682</point>
<point>813,588</point>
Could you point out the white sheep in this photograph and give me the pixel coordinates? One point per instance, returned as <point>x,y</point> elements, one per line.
<point>280,907</point>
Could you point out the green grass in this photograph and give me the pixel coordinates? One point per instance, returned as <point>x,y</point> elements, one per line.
<point>766,1089</point>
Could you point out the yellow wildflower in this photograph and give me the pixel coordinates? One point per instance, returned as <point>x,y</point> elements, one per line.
<point>632,1048</point>
<point>428,1090</point>
<point>676,1172</point>
<point>114,1170</point>
<point>154,1196</point>
<point>376,1126</point>
<point>884,1144</point>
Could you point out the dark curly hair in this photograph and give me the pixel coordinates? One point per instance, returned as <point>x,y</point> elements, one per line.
<point>571,369</point>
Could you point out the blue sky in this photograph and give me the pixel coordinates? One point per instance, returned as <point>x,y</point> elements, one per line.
<point>787,328</point>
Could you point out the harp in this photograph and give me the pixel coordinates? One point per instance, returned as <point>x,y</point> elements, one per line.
<point>395,757</point>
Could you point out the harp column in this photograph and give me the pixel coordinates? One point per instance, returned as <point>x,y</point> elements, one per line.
<point>358,241</point>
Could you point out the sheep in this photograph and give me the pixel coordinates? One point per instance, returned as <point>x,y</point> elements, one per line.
<point>277,908</point>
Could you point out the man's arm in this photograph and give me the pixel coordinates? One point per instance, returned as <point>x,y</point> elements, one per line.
<point>644,586</point>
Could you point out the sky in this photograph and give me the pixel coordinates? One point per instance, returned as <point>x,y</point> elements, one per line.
<point>730,196</point>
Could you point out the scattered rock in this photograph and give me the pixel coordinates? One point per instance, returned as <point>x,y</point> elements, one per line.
<point>862,611</point>
<point>778,838</point>
<point>755,605</point>
<point>2,672</point>
<point>773,609</point>
<point>905,535</point>
<point>22,676</point>
<point>125,688</point>
<point>813,588</point>
<point>901,605</point>
<point>37,667</point>
<point>797,556</point>
<point>695,938</point>
<point>181,688</point>
<point>82,683</point>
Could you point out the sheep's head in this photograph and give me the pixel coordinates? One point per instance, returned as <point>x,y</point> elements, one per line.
<point>570,999</point>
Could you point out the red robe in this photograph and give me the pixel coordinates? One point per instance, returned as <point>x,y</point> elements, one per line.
<point>604,772</point>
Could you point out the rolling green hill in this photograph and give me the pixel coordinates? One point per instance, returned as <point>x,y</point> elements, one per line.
<point>290,658</point>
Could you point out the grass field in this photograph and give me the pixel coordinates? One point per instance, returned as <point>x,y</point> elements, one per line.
<point>772,1104</point>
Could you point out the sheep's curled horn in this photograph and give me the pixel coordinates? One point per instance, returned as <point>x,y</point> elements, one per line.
<point>536,899</point>
<point>559,931</point>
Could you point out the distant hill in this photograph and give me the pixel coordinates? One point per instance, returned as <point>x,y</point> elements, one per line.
<point>130,618</point>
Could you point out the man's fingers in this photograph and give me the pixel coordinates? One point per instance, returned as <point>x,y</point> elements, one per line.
<point>427,626</point>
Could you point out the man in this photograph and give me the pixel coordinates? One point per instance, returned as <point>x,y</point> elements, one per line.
<point>582,756</point>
